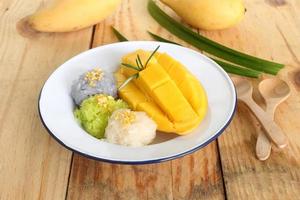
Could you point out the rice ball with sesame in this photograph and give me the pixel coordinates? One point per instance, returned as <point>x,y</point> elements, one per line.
<point>94,112</point>
<point>130,128</point>
<point>95,81</point>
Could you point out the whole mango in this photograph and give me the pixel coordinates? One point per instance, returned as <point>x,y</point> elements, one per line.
<point>209,15</point>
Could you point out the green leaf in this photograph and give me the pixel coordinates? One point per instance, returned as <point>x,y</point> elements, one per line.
<point>233,69</point>
<point>138,65</point>
<point>120,37</point>
<point>161,39</point>
<point>139,61</point>
<point>210,46</point>
<point>130,66</point>
<point>130,78</point>
<point>230,68</point>
<point>151,56</point>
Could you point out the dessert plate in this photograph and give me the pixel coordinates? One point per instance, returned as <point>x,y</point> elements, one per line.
<point>56,105</point>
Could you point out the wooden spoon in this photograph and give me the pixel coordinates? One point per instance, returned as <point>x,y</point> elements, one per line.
<point>274,91</point>
<point>244,92</point>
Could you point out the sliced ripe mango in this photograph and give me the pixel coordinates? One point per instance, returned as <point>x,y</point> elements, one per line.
<point>144,55</point>
<point>152,77</point>
<point>185,127</point>
<point>190,87</point>
<point>157,115</point>
<point>177,72</point>
<point>138,101</point>
<point>197,98</point>
<point>172,102</point>
<point>165,59</point>
<point>166,91</point>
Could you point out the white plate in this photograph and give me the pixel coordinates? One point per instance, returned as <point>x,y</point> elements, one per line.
<point>56,105</point>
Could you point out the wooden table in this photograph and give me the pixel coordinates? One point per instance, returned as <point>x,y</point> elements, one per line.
<point>35,166</point>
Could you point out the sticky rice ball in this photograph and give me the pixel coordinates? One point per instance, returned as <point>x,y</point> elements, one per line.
<point>94,112</point>
<point>130,128</point>
<point>95,81</point>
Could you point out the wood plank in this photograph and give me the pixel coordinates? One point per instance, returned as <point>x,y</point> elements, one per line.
<point>95,180</point>
<point>197,176</point>
<point>32,166</point>
<point>271,31</point>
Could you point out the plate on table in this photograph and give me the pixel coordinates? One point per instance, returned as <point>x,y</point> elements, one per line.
<point>56,105</point>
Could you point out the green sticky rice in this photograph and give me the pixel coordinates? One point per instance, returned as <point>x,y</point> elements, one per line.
<point>93,116</point>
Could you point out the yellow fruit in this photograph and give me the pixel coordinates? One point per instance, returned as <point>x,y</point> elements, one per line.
<point>71,15</point>
<point>166,91</point>
<point>186,82</point>
<point>209,15</point>
<point>139,101</point>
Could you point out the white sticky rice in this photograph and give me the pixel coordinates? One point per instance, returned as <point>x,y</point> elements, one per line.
<point>140,132</point>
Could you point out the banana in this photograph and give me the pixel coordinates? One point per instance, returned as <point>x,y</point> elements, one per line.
<point>71,15</point>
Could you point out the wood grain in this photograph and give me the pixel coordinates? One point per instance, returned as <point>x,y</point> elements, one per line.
<point>197,176</point>
<point>32,165</point>
<point>95,180</point>
<point>270,31</point>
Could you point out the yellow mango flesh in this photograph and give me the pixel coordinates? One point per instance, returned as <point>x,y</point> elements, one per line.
<point>138,101</point>
<point>166,91</point>
<point>157,115</point>
<point>186,82</point>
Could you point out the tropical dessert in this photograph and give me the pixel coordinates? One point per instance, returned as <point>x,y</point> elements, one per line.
<point>94,112</point>
<point>95,81</point>
<point>164,89</point>
<point>130,128</point>
<point>155,91</point>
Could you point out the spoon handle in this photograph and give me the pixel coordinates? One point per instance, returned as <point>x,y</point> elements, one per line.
<point>271,128</point>
<point>263,143</point>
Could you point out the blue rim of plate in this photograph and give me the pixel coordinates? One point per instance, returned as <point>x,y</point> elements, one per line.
<point>146,161</point>
<point>159,160</point>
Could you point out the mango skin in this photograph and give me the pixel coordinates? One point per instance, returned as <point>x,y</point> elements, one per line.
<point>209,15</point>
<point>154,91</point>
<point>71,15</point>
